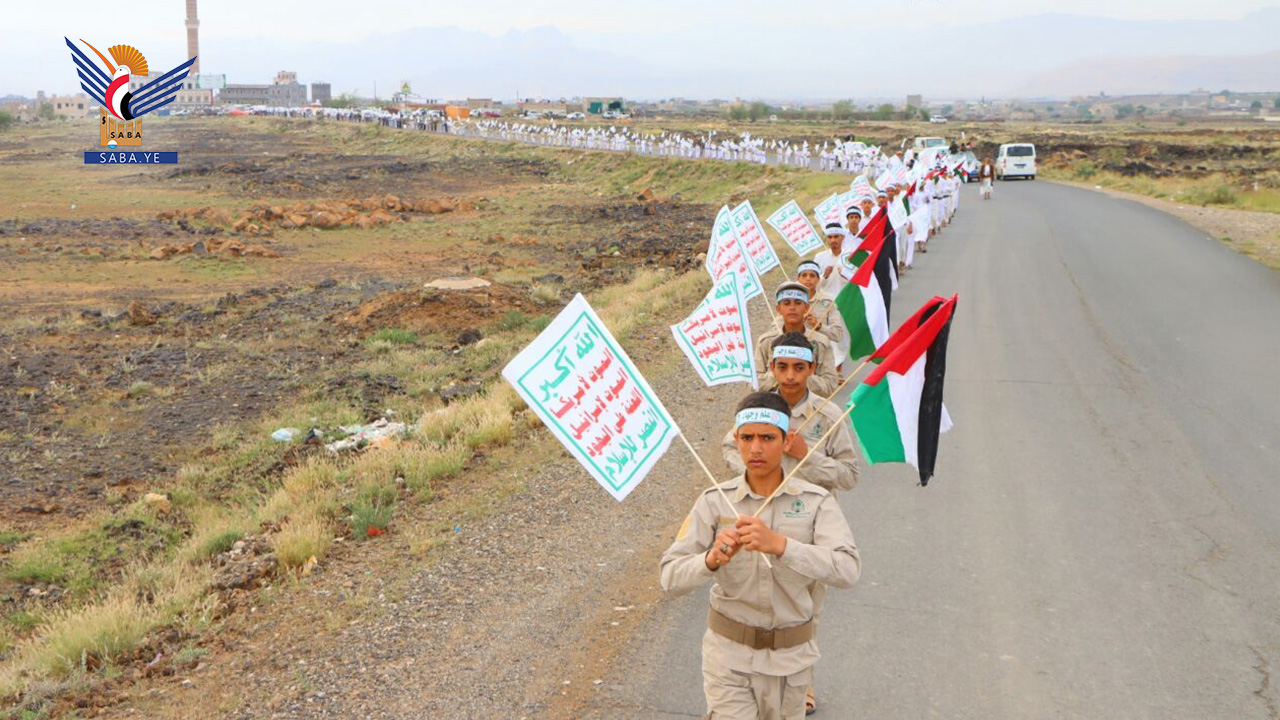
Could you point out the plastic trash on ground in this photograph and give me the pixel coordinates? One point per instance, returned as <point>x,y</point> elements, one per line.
<point>285,434</point>
<point>375,434</point>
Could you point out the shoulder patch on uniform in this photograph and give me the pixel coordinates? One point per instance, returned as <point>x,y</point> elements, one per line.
<point>684,527</point>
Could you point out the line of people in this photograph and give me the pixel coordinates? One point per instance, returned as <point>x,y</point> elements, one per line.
<point>760,646</point>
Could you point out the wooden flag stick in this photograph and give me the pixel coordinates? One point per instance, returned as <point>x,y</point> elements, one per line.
<point>719,487</point>
<point>807,455</point>
<point>827,400</point>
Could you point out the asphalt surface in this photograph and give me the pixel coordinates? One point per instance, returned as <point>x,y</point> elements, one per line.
<point>1101,538</point>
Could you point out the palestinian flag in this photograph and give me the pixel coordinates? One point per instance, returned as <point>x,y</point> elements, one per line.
<point>906,329</point>
<point>863,301</point>
<point>880,224</point>
<point>886,266</point>
<point>897,410</point>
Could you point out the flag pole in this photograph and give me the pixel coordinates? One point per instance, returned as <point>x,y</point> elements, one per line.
<point>827,400</point>
<point>807,455</point>
<point>719,487</point>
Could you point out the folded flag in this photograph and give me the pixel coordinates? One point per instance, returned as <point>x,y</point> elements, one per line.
<point>897,410</point>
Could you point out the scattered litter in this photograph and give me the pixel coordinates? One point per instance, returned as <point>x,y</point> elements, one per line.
<point>376,434</point>
<point>458,283</point>
<point>372,531</point>
<point>309,565</point>
<point>622,608</point>
<point>285,434</point>
<point>597,682</point>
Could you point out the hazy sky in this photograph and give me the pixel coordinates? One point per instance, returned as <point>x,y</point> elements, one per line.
<point>716,44</point>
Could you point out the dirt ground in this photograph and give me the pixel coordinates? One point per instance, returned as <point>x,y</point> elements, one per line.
<point>139,322</point>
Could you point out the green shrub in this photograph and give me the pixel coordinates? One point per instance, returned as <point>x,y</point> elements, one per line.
<point>372,509</point>
<point>394,336</point>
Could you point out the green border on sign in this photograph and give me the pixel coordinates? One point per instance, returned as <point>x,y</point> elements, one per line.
<point>634,373</point>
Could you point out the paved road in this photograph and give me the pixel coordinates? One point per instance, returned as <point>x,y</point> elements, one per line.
<point>1102,538</point>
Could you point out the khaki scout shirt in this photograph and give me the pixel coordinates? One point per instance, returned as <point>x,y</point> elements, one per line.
<point>823,307</point>
<point>824,380</point>
<point>834,467</point>
<point>820,551</point>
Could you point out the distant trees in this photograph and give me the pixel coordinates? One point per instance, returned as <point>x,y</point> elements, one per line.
<point>46,111</point>
<point>1276,104</point>
<point>883,112</point>
<point>758,110</point>
<point>842,110</point>
<point>345,100</point>
<point>5,120</point>
<point>1255,105</point>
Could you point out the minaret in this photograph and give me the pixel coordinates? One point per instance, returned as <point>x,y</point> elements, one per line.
<point>193,36</point>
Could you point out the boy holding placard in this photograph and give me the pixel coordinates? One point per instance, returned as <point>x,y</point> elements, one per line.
<point>759,650</point>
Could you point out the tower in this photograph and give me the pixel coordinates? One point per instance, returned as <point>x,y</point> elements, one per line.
<point>193,36</point>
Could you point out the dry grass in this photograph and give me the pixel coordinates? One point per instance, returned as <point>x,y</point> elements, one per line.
<point>76,640</point>
<point>302,538</point>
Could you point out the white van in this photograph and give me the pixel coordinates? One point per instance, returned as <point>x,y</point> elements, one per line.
<point>1016,160</point>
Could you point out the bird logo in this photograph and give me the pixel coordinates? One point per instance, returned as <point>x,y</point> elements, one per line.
<point>111,88</point>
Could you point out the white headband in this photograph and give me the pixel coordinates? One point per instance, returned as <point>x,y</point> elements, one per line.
<point>793,294</point>
<point>808,265</point>
<point>792,352</point>
<point>763,415</point>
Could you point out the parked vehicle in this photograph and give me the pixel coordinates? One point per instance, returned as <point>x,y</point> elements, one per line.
<point>1016,160</point>
<point>927,143</point>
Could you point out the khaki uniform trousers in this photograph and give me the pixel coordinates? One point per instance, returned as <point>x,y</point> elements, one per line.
<point>733,695</point>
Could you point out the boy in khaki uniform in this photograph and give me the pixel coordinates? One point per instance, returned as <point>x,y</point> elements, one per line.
<point>758,652</point>
<point>823,315</point>
<point>835,466</point>
<point>793,306</point>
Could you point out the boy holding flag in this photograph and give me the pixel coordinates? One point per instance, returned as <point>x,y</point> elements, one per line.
<point>834,466</point>
<point>793,306</point>
<point>759,649</point>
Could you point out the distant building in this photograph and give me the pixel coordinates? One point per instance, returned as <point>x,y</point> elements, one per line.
<point>915,101</point>
<point>78,105</point>
<point>21,108</point>
<point>549,106</point>
<point>478,103</point>
<point>320,93</point>
<point>284,91</point>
